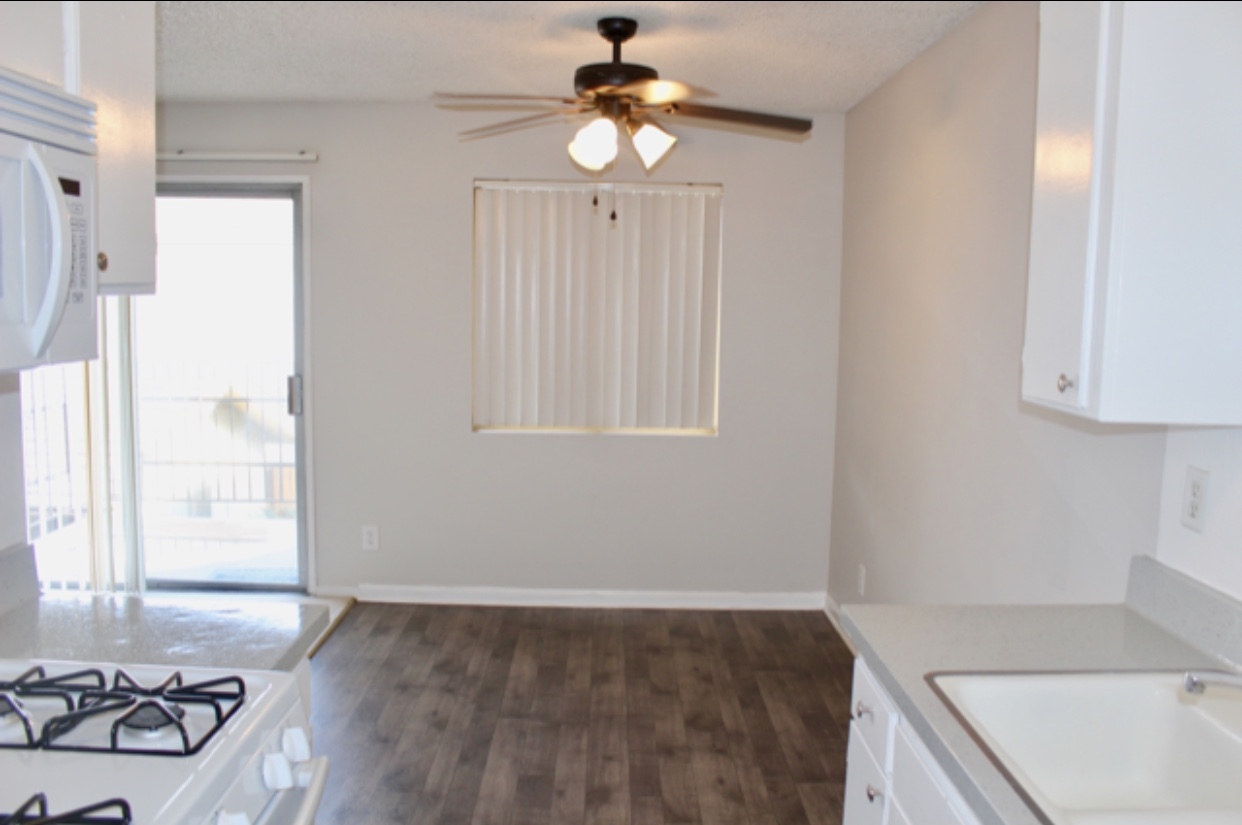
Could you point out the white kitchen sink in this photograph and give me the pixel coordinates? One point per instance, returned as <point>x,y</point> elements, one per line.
<point>1107,748</point>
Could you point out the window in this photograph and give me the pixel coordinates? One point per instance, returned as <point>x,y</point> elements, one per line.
<point>54,449</point>
<point>596,307</point>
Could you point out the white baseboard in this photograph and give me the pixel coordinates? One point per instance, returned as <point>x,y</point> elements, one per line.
<point>833,611</point>
<point>531,597</point>
<point>333,592</point>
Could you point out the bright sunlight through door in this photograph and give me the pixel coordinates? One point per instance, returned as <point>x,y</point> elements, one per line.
<point>218,472</point>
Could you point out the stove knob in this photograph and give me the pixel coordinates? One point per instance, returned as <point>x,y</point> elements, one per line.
<point>277,772</point>
<point>226,818</point>
<point>295,744</point>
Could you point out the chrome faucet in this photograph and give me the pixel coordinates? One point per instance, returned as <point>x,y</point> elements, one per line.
<point>1197,681</point>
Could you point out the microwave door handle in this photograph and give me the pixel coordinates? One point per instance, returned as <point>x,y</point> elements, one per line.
<point>57,292</point>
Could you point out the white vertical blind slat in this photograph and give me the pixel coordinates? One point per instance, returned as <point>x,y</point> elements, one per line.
<point>648,289</point>
<point>582,321</point>
<point>709,349</point>
<point>580,276</point>
<point>529,309</point>
<point>628,414</point>
<point>510,333</point>
<point>691,338</point>
<point>483,265</point>
<point>614,323</point>
<point>664,242</point>
<point>677,309</point>
<point>564,318</point>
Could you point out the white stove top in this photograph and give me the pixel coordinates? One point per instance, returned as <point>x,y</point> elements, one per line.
<point>75,769</point>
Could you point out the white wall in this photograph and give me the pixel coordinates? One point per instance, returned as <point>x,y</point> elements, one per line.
<point>390,385</point>
<point>947,487</point>
<point>1215,555</point>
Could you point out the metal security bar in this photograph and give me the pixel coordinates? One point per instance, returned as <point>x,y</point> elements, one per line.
<point>218,470</point>
<point>55,446</point>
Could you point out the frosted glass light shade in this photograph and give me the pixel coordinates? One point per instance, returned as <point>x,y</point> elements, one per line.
<point>650,141</point>
<point>595,145</point>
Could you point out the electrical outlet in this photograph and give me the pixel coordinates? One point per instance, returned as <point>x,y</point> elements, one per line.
<point>1194,498</point>
<point>370,537</point>
<point>862,579</point>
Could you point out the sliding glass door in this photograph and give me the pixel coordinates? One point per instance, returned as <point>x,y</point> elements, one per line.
<point>217,442</point>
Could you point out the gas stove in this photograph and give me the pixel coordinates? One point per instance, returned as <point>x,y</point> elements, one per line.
<point>154,745</point>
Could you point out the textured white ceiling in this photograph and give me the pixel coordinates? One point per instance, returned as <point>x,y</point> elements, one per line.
<point>786,57</point>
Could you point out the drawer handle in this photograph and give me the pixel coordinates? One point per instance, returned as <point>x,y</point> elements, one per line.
<point>861,710</point>
<point>873,793</point>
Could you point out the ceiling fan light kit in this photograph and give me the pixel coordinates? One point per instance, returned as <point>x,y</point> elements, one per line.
<point>595,145</point>
<point>625,94</point>
<point>650,141</point>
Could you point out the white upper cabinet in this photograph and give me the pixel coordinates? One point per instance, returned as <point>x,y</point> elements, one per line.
<point>118,75</point>
<point>1134,303</point>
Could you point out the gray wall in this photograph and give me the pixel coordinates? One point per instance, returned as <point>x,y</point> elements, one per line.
<point>948,488</point>
<point>389,338</point>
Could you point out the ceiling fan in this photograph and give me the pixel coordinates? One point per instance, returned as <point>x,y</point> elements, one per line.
<point>623,96</point>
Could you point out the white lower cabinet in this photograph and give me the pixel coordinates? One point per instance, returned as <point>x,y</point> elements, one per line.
<point>897,816</point>
<point>866,785</point>
<point>901,784</point>
<point>920,788</point>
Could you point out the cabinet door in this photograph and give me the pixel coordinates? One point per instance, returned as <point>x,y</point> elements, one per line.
<point>1070,141</point>
<point>866,788</point>
<point>1133,294</point>
<point>873,713</point>
<point>1172,350</point>
<point>920,788</point>
<point>118,75</point>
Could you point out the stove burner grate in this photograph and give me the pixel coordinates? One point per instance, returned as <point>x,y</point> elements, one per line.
<point>147,712</point>
<point>34,812</point>
<point>12,706</point>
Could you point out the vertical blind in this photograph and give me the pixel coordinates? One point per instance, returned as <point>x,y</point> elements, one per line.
<point>596,306</point>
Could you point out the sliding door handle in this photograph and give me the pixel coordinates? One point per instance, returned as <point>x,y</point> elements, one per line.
<point>293,394</point>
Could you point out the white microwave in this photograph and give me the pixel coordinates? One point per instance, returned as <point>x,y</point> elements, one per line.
<point>48,281</point>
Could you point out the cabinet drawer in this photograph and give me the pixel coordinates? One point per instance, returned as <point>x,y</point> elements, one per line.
<point>921,788</point>
<point>866,792</point>
<point>873,713</point>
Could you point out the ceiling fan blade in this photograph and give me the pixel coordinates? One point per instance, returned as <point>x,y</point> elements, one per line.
<point>762,119</point>
<point>659,91</point>
<point>519,123</point>
<point>484,97</point>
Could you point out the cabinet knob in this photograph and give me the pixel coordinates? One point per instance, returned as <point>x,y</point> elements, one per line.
<point>873,793</point>
<point>1064,382</point>
<point>101,261</point>
<point>861,710</point>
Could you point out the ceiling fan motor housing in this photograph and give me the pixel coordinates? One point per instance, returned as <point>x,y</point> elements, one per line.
<point>595,75</point>
<point>616,30</point>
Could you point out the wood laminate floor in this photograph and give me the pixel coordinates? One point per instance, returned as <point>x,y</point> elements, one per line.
<point>522,715</point>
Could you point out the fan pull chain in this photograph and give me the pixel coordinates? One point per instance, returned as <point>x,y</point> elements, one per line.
<point>612,193</point>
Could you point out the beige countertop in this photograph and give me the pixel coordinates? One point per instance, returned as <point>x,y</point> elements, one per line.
<point>903,643</point>
<point>1168,622</point>
<point>206,631</point>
